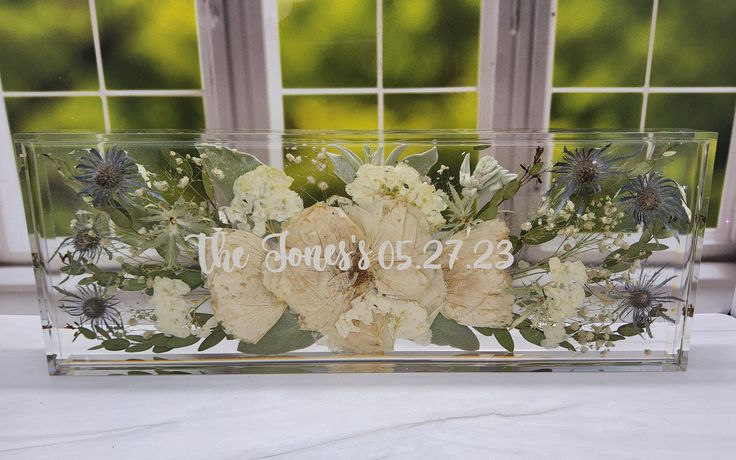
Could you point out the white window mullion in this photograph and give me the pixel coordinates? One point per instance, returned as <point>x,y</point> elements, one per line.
<point>98,59</point>
<point>648,71</point>
<point>379,63</point>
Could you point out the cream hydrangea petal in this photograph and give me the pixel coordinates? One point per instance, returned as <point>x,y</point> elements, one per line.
<point>318,297</point>
<point>475,296</point>
<point>392,221</point>
<point>240,301</point>
<point>320,225</point>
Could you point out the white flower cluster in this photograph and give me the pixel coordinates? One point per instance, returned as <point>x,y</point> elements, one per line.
<point>405,319</point>
<point>261,195</point>
<point>170,307</point>
<point>489,176</point>
<point>564,295</point>
<point>375,183</point>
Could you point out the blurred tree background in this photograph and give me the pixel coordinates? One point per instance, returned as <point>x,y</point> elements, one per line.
<point>48,46</point>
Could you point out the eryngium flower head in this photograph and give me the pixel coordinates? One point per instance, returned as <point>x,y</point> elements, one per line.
<point>93,304</point>
<point>653,198</point>
<point>86,242</point>
<point>108,180</point>
<point>581,173</point>
<point>643,300</point>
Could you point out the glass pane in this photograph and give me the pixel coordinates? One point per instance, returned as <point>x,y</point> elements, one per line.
<point>713,112</point>
<point>54,113</point>
<point>601,42</point>
<point>428,111</point>
<point>430,43</point>
<point>694,44</point>
<point>595,110</point>
<point>46,46</point>
<point>156,112</point>
<point>327,43</point>
<point>149,45</point>
<point>331,112</point>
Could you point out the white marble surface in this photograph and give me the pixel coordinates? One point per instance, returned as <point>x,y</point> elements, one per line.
<point>690,415</point>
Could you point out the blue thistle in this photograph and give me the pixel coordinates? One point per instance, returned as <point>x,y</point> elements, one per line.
<point>643,300</point>
<point>581,174</point>
<point>86,240</point>
<point>108,180</point>
<point>93,304</point>
<point>652,198</point>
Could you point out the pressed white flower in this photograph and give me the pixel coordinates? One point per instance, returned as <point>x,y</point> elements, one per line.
<point>172,310</point>
<point>323,298</point>
<point>261,195</point>
<point>161,185</point>
<point>207,328</point>
<point>478,296</point>
<point>240,301</point>
<point>526,226</point>
<point>323,186</point>
<point>564,292</point>
<point>183,182</point>
<point>489,176</point>
<point>217,172</point>
<point>375,183</point>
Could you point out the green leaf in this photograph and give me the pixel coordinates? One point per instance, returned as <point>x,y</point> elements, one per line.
<point>87,333</point>
<point>133,285</point>
<point>342,168</point>
<point>138,347</point>
<point>217,336</point>
<point>102,332</point>
<point>629,330</point>
<point>231,163</point>
<point>510,189</point>
<point>448,332</point>
<point>424,161</point>
<point>567,345</point>
<point>132,269</point>
<point>393,157</point>
<point>192,277</point>
<point>178,342</point>
<point>532,335</point>
<point>504,339</point>
<point>349,155</point>
<point>538,235</point>
<point>107,278</point>
<point>161,349</point>
<point>116,344</point>
<point>284,336</point>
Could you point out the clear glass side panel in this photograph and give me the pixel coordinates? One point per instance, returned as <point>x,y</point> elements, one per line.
<point>349,251</point>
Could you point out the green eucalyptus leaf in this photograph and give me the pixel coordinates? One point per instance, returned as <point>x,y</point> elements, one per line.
<point>87,333</point>
<point>192,277</point>
<point>629,330</point>
<point>138,347</point>
<point>286,335</point>
<point>133,285</point>
<point>424,161</point>
<point>503,336</point>
<point>567,345</point>
<point>532,335</point>
<point>232,163</point>
<point>448,332</point>
<point>217,336</point>
<point>161,349</point>
<point>342,168</point>
<point>116,344</point>
<point>179,342</point>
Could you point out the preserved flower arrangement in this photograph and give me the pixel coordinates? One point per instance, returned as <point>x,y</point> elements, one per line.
<point>374,252</point>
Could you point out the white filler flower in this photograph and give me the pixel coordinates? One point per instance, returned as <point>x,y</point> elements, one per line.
<point>171,308</point>
<point>261,195</point>
<point>375,183</point>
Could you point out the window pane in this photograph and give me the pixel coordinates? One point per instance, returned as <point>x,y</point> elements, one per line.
<point>327,43</point>
<point>331,112</point>
<point>601,42</point>
<point>430,43</point>
<point>46,46</point>
<point>428,111</point>
<point>54,113</point>
<point>694,44</point>
<point>156,112</point>
<point>595,110</point>
<point>712,112</point>
<point>149,45</point>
